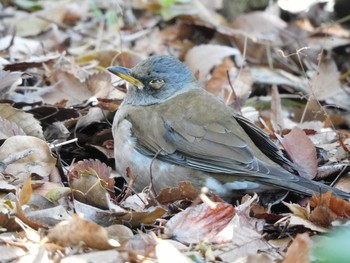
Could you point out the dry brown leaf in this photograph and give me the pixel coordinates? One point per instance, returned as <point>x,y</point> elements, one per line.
<point>142,244</point>
<point>201,59</point>
<point>39,159</point>
<point>100,85</point>
<point>20,214</point>
<point>343,183</point>
<point>78,231</point>
<point>337,205</point>
<point>325,83</point>
<point>276,112</point>
<point>32,62</point>
<point>301,150</point>
<point>52,191</point>
<point>90,180</point>
<point>90,189</point>
<point>226,77</point>
<point>322,216</point>
<point>97,215</point>
<point>24,120</point>
<point>102,170</point>
<point>258,27</point>
<point>147,217</point>
<point>185,191</point>
<point>32,24</point>
<point>9,128</point>
<point>48,217</point>
<point>303,212</point>
<point>261,258</point>
<point>299,221</point>
<point>136,202</point>
<point>200,222</point>
<point>104,57</point>
<point>298,252</point>
<point>6,220</point>
<point>120,233</point>
<point>26,192</point>
<point>66,87</point>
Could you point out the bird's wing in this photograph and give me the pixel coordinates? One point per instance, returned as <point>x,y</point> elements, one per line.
<point>218,150</point>
<point>261,139</point>
<point>189,133</point>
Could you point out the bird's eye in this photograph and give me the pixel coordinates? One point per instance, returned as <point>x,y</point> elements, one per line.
<point>156,83</point>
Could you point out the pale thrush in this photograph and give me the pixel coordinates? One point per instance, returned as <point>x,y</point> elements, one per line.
<point>169,129</point>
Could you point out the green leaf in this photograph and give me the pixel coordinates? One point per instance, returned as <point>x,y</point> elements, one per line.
<point>28,5</point>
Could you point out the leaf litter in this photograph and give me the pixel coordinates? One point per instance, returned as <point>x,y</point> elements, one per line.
<point>61,196</point>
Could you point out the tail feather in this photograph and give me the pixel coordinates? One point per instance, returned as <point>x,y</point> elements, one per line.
<point>307,187</point>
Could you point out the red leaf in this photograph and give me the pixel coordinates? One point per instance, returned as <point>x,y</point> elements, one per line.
<point>301,150</point>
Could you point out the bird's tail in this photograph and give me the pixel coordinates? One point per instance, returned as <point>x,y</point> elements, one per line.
<point>308,187</point>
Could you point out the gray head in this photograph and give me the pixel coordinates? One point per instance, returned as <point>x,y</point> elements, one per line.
<point>156,79</point>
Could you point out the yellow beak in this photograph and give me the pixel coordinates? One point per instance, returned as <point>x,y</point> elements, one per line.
<point>124,73</point>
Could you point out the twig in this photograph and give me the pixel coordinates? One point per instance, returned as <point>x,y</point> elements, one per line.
<point>238,75</point>
<point>150,171</point>
<point>52,146</point>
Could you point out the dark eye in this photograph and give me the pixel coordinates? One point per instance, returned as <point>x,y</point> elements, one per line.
<point>156,83</point>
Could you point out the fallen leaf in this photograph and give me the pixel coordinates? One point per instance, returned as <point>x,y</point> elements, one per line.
<point>9,128</point>
<point>301,150</point>
<point>339,206</point>
<point>32,24</point>
<point>39,159</point>
<point>90,181</point>
<point>296,221</point>
<point>298,252</point>
<point>48,217</point>
<point>120,233</point>
<point>26,192</point>
<point>146,217</point>
<point>303,212</point>
<point>78,231</point>
<point>242,237</point>
<point>322,216</point>
<point>276,112</point>
<point>203,58</point>
<point>67,87</point>
<point>185,191</point>
<point>142,244</point>
<point>325,82</point>
<point>198,223</point>
<point>99,216</point>
<point>24,120</point>
<point>260,28</point>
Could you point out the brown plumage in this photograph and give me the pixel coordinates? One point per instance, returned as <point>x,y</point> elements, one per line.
<point>171,128</point>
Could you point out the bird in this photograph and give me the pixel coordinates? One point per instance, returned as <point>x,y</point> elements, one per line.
<point>169,129</point>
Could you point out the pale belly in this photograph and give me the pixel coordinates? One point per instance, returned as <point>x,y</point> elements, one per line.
<point>143,168</point>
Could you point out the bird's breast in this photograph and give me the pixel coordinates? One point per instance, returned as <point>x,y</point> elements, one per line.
<point>143,168</point>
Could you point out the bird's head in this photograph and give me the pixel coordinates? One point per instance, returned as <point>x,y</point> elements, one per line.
<point>155,79</point>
